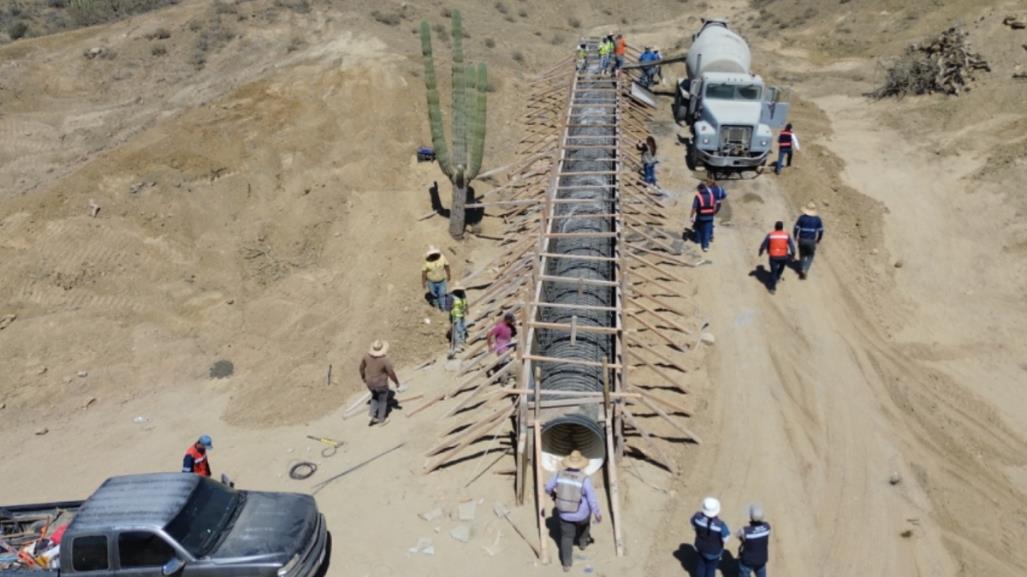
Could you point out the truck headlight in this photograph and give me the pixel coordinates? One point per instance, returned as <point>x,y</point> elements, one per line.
<point>763,143</point>
<point>288,567</point>
<point>705,140</point>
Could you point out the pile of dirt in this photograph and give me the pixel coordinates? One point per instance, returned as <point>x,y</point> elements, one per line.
<point>945,64</point>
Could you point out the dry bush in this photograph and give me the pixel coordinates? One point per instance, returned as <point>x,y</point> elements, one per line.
<point>17,29</point>
<point>518,57</point>
<point>574,22</point>
<point>502,8</point>
<point>298,6</point>
<point>158,50</point>
<point>490,43</point>
<point>945,64</point>
<point>522,13</point>
<point>89,12</point>
<point>387,18</point>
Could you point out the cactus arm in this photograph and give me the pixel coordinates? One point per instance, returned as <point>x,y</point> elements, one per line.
<point>478,123</point>
<point>435,120</point>
<point>459,131</point>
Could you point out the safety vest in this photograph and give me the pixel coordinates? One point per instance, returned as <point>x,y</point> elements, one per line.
<point>778,245</point>
<point>436,269</point>
<point>784,140</point>
<point>200,464</point>
<point>605,48</point>
<point>755,539</point>
<point>709,539</point>
<point>582,53</point>
<point>459,308</point>
<point>707,202</point>
<point>570,486</point>
<point>621,47</point>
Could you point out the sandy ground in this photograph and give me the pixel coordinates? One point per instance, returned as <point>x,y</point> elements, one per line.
<point>281,233</point>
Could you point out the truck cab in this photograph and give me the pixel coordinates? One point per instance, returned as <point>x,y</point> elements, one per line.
<point>729,110</point>
<point>184,525</point>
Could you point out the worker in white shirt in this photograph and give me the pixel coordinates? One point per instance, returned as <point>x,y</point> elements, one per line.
<point>787,141</point>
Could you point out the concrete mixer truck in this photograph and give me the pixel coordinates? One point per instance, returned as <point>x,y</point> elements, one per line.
<point>729,110</point>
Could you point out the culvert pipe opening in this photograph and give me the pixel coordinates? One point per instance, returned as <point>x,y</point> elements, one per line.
<point>561,435</point>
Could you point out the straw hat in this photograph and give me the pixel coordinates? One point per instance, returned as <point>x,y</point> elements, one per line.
<point>710,507</point>
<point>432,250</point>
<point>457,287</point>
<point>379,348</point>
<point>810,209</point>
<point>575,460</point>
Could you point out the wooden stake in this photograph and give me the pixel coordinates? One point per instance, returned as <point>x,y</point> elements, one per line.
<point>539,494</point>
<point>655,452</point>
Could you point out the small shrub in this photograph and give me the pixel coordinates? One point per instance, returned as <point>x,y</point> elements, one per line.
<point>490,43</point>
<point>298,6</point>
<point>17,29</point>
<point>57,3</point>
<point>295,44</point>
<point>574,22</point>
<point>159,34</point>
<point>446,13</point>
<point>502,8</point>
<point>518,57</point>
<point>158,50</point>
<point>386,18</point>
<point>440,30</point>
<point>522,13</point>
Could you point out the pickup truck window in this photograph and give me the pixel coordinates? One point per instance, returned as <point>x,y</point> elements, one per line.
<point>143,549</point>
<point>89,553</point>
<point>204,516</point>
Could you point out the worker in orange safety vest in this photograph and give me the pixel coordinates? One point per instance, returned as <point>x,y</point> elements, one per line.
<point>780,248</point>
<point>195,460</point>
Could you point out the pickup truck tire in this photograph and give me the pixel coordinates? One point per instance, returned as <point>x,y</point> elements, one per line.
<point>690,156</point>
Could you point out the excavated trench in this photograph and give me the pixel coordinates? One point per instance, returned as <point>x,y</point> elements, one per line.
<point>579,426</point>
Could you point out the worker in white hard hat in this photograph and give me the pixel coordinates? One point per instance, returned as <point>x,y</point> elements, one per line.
<point>711,534</point>
<point>755,538</point>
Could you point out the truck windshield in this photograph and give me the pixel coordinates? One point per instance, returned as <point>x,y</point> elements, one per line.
<point>734,91</point>
<point>204,517</point>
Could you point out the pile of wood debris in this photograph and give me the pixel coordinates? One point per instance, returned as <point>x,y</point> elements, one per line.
<point>945,64</point>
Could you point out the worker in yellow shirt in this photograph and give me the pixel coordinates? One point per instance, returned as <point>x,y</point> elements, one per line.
<point>434,276</point>
<point>458,320</point>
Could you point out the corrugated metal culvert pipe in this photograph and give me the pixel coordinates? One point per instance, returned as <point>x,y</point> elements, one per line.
<point>578,426</point>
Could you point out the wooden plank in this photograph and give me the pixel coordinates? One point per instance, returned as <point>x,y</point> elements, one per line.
<point>611,469</point>
<point>654,451</point>
<point>544,359</point>
<point>540,493</point>
<point>574,307</point>
<point>577,280</point>
<point>575,328</point>
<point>482,430</point>
<point>656,331</point>
<point>580,257</point>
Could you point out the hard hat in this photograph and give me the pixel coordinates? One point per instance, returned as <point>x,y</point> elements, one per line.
<point>755,513</point>
<point>432,250</point>
<point>206,441</point>
<point>710,507</point>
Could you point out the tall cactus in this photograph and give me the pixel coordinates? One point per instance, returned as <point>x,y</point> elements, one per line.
<point>462,163</point>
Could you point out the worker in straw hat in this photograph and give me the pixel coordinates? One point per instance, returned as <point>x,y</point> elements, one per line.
<point>576,505</point>
<point>376,370</point>
<point>434,276</point>
<point>711,534</point>
<point>808,231</point>
<point>755,538</point>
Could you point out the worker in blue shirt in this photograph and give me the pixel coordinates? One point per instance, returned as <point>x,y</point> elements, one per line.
<point>753,552</point>
<point>711,534</point>
<point>576,506</point>
<point>808,231</point>
<point>648,72</point>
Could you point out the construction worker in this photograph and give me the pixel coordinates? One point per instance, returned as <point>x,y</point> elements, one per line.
<point>605,51</point>
<point>755,539</point>
<point>376,371</point>
<point>620,48</point>
<point>808,232</point>
<point>582,57</point>
<point>500,340</point>
<point>658,74</point>
<point>704,207</point>
<point>648,72</point>
<point>195,460</point>
<point>787,141</point>
<point>779,247</point>
<point>576,506</point>
<point>434,275</point>
<point>648,149</point>
<point>711,534</point>
<point>718,192</point>
<point>458,319</point>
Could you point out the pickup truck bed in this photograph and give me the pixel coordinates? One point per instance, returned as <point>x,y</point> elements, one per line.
<point>24,526</point>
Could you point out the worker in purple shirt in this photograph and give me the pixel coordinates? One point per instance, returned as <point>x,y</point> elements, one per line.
<point>576,505</point>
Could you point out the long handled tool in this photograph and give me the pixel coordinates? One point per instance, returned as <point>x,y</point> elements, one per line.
<point>325,483</point>
<point>332,445</point>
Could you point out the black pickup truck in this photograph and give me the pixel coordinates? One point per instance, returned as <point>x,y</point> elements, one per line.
<point>181,525</point>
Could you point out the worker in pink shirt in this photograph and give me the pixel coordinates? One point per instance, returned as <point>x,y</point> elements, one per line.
<point>501,339</point>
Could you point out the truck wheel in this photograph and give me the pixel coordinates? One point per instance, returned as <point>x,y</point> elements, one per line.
<point>690,157</point>
<point>679,109</point>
